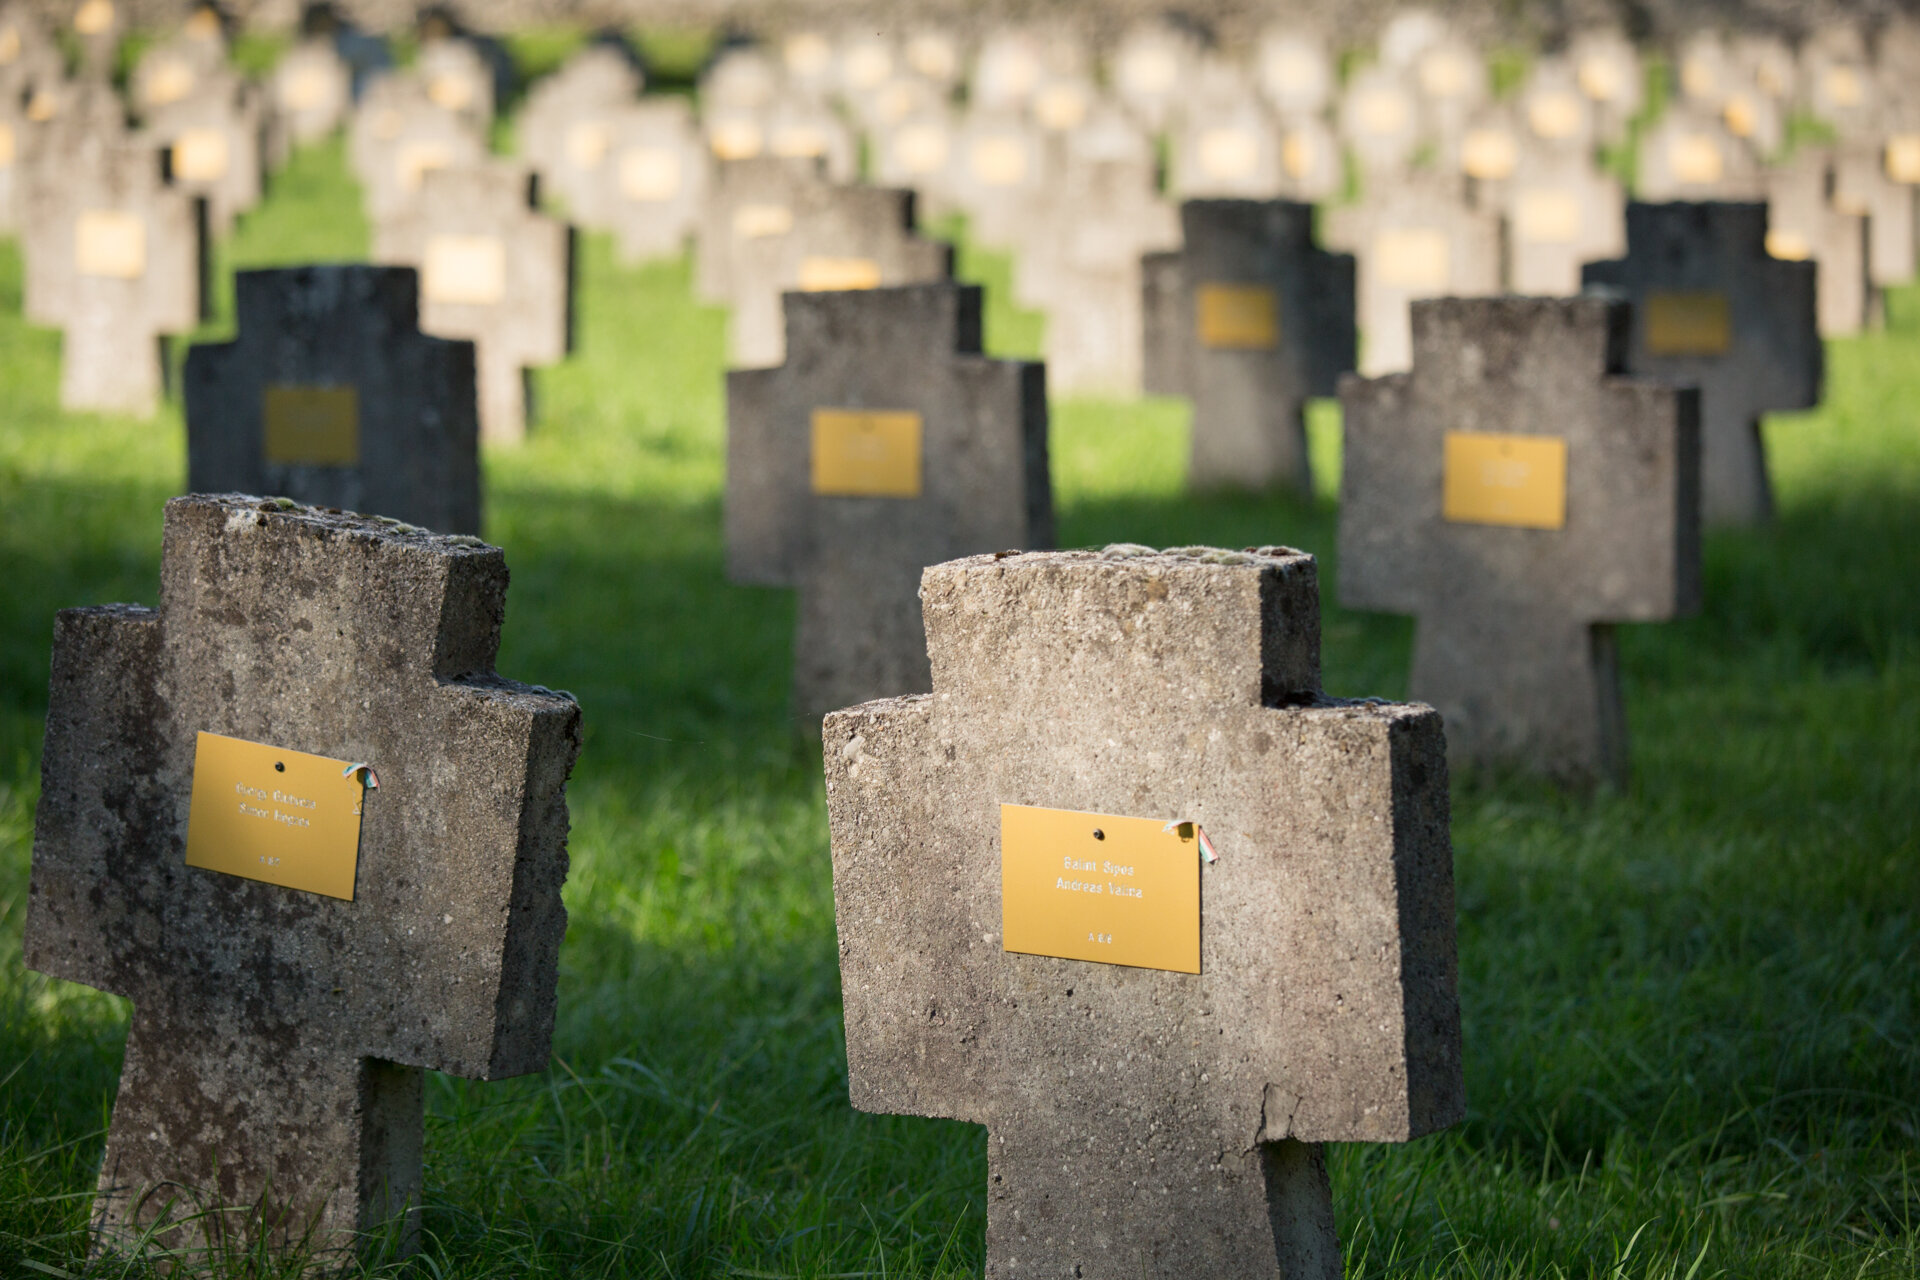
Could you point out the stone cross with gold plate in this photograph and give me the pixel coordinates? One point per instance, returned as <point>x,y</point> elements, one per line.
<point>886,442</point>
<point>494,270</point>
<point>1128,889</point>
<point>215,143</point>
<point>331,395</point>
<point>655,178</point>
<point>1260,319</point>
<point>1518,496</point>
<point>1713,309</point>
<point>398,135</point>
<point>295,817</point>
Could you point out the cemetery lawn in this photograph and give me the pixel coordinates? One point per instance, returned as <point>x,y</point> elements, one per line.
<point>1692,1009</point>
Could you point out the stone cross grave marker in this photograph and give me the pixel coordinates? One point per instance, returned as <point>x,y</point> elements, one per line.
<point>751,200</point>
<point>1804,225</point>
<point>655,178</point>
<point>1881,181</point>
<point>312,89</point>
<point>173,70</point>
<point>1029,939</point>
<point>331,395</point>
<point>1712,309</point>
<point>398,136</point>
<point>998,169</point>
<point>565,130</point>
<point>1519,496</point>
<point>1227,146</point>
<point>114,258</point>
<point>1259,319</point>
<point>1416,239</point>
<point>1689,155</point>
<point>493,270</point>
<point>214,140</point>
<point>886,443</point>
<point>1607,67</point>
<point>1561,213</point>
<point>840,238</point>
<point>1380,119</point>
<point>297,947</point>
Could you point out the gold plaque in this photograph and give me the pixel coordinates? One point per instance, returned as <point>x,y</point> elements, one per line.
<point>1416,259</point>
<point>1489,478</point>
<point>1489,155</point>
<point>1545,215</point>
<point>285,817</point>
<point>8,148</point>
<point>311,426</point>
<point>1741,115</point>
<point>9,45</point>
<point>451,92</point>
<point>866,453</point>
<point>1093,886</point>
<point>808,54</point>
<point>1229,153</point>
<point>735,139</point>
<point>649,175</point>
<point>1445,74</point>
<point>1903,157</point>
<point>1601,79</point>
<point>921,148</point>
<point>760,221</point>
<point>1060,107</point>
<point>200,155</point>
<point>1555,115</point>
<point>799,141</point>
<point>1844,87</point>
<point>998,162</point>
<point>823,275</point>
<point>169,81</point>
<point>1382,112</point>
<point>306,89</point>
<point>1688,324</point>
<point>1298,151</point>
<point>1695,158</point>
<point>1237,317</point>
<point>93,17</point>
<point>467,271</point>
<point>415,159</point>
<point>587,144</point>
<point>110,243</point>
<point>1788,246</point>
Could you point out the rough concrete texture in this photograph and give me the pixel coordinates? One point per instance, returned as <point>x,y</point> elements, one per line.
<point>1248,402</point>
<point>1414,239</point>
<point>517,313</point>
<point>114,258</point>
<point>655,178</point>
<point>1512,644</point>
<point>397,136</point>
<point>1774,361</point>
<point>1803,225</point>
<point>340,326</point>
<point>215,140</point>
<point>1143,1122</point>
<point>273,1064</point>
<point>857,560</point>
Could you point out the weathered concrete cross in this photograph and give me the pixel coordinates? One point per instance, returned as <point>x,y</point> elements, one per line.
<point>886,443</point>
<point>1248,320</point>
<point>273,1068</point>
<point>1518,496</point>
<point>1145,1121</point>
<point>1712,309</point>
<point>331,395</point>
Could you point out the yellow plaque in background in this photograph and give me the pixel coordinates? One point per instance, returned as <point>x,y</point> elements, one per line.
<point>1695,158</point>
<point>93,17</point>
<point>1546,215</point>
<point>311,427</point>
<point>759,221</point>
<point>736,139</point>
<point>467,271</point>
<point>306,89</point>
<point>1688,324</point>
<point>1490,155</point>
<point>998,161</point>
<point>284,817</point>
<point>1416,259</point>
<point>200,155</point>
<point>1237,317</point>
<point>825,275</point>
<point>1229,153</point>
<point>1903,157</point>
<point>1788,246</point>
<point>169,81</point>
<point>417,158</point>
<point>921,147</point>
<point>1092,886</point>
<point>587,144</point>
<point>866,453</point>
<point>110,243</point>
<point>451,92</point>
<point>1555,115</point>
<point>9,45</point>
<point>798,141</point>
<point>649,175</point>
<point>1489,478</point>
<point>8,148</point>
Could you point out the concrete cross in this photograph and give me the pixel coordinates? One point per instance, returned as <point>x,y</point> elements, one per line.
<point>1690,155</point>
<point>1881,181</point>
<point>751,200</point>
<point>1415,239</point>
<point>1713,309</point>
<point>312,91</point>
<point>1227,145</point>
<point>174,69</point>
<point>1804,225</point>
<point>1561,213</point>
<point>1380,119</point>
<point>214,139</point>
<point>398,136</point>
<point>565,130</point>
<point>655,178</point>
<point>273,1066</point>
<point>331,395</point>
<point>114,258</point>
<point>999,167</point>
<point>886,443</point>
<point>493,270</point>
<point>1251,318</point>
<point>1519,496</point>
<point>1143,1121</point>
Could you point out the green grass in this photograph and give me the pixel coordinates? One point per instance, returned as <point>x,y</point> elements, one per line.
<point>1691,1007</point>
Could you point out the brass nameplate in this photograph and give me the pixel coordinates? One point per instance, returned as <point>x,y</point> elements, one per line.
<point>1546,215</point>
<point>110,243</point>
<point>306,89</point>
<point>311,426</point>
<point>451,92</point>
<point>1491,478</point>
<point>998,162</point>
<point>1688,324</point>
<point>762,221</point>
<point>8,147</point>
<point>467,271</point>
<point>1229,153</point>
<point>94,17</point>
<point>1903,158</point>
<point>414,160</point>
<point>200,155</point>
<point>1237,317</point>
<point>1695,158</point>
<point>1093,886</point>
<point>285,817</point>
<point>736,139</point>
<point>587,143</point>
<point>1415,259</point>
<point>825,275</point>
<point>866,453</point>
<point>649,175</point>
<point>169,81</point>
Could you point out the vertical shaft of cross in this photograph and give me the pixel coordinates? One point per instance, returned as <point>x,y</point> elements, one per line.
<point>1735,489</point>
<point>105,367</point>
<point>1300,1205</point>
<point>1516,682</point>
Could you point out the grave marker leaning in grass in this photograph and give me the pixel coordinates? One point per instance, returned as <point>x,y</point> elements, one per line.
<point>1713,309</point>
<point>1518,496</point>
<point>1034,936</point>
<point>886,443</point>
<point>331,395</point>
<point>1248,320</point>
<point>295,817</point>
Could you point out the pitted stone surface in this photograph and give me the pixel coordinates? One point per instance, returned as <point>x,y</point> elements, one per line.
<point>278,1035</point>
<point>857,560</point>
<point>340,326</point>
<point>1513,643</point>
<point>1141,1122</point>
<point>1774,361</point>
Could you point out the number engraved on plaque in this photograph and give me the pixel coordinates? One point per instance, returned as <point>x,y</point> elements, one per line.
<point>265,813</point>
<point>1096,886</point>
<point>1492,478</point>
<point>865,453</point>
<point>1237,317</point>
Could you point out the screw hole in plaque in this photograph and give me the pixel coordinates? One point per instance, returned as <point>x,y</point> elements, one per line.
<point>1098,834</point>
<point>279,766</point>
